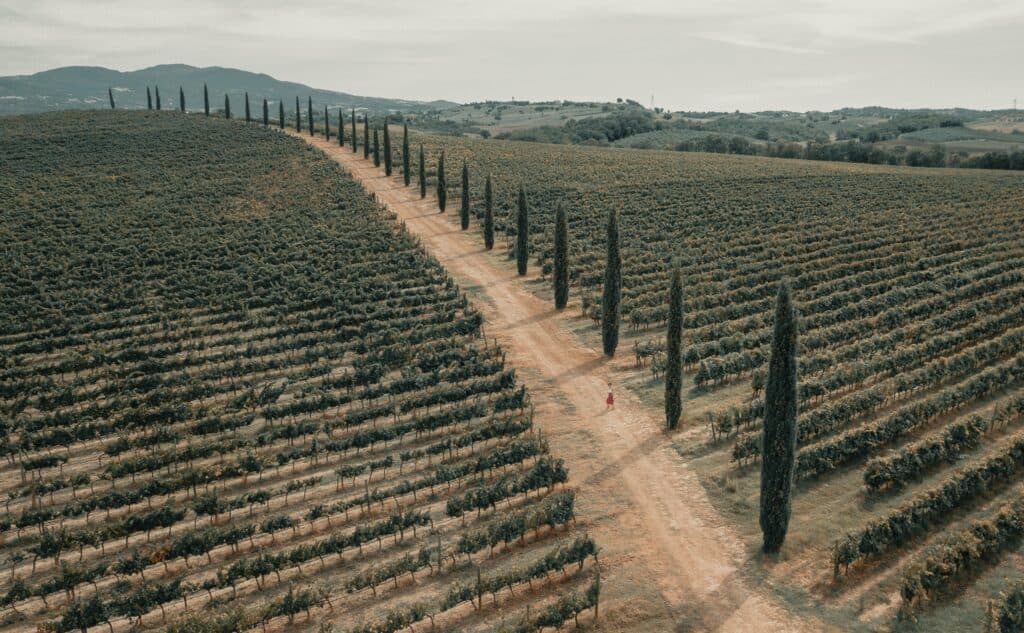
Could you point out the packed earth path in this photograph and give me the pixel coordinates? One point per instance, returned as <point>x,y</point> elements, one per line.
<point>669,560</point>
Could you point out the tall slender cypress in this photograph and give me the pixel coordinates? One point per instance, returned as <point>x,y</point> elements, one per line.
<point>266,113</point>
<point>522,233</point>
<point>464,206</point>
<point>157,97</point>
<point>206,100</point>
<point>488,214</point>
<point>355,135</point>
<point>248,112</point>
<point>376,149</point>
<point>674,352</point>
<point>341,128</point>
<point>298,116</point>
<point>611,306</point>
<point>181,98</point>
<point>406,161</point>
<point>779,431</point>
<point>227,106</point>
<point>366,136</point>
<point>149,99</point>
<point>280,113</point>
<point>423,175</point>
<point>309,112</point>
<point>110,94</point>
<point>327,125</point>
<point>560,268</point>
<point>442,184</point>
<point>387,148</point>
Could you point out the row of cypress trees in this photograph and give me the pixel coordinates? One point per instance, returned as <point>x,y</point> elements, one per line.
<point>779,434</point>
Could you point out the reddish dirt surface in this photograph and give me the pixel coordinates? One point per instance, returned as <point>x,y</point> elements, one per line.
<point>670,561</point>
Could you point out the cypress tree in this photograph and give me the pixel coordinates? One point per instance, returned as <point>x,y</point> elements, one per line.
<point>266,113</point>
<point>327,125</point>
<point>387,148</point>
<point>560,269</point>
<point>488,214</point>
<point>778,436</point>
<point>206,100</point>
<point>280,113</point>
<point>522,233</point>
<point>366,136</point>
<point>442,184</point>
<point>298,116</point>
<point>110,94</point>
<point>149,99</point>
<point>227,107</point>
<point>248,113</point>
<point>674,355</point>
<point>355,136</point>
<point>464,207</point>
<point>611,308</point>
<point>341,128</point>
<point>376,149</point>
<point>157,97</point>
<point>406,162</point>
<point>181,98</point>
<point>423,175</point>
<point>309,113</point>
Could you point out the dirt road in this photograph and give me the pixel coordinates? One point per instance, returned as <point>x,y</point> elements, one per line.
<point>672,563</point>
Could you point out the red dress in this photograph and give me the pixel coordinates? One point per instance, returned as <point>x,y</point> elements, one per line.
<point>611,399</point>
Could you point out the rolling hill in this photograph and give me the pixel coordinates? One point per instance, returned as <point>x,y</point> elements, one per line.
<point>84,87</point>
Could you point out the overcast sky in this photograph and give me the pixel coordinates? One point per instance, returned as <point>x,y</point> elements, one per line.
<point>694,55</point>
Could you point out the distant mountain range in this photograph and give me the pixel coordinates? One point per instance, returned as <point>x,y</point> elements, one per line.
<point>83,87</point>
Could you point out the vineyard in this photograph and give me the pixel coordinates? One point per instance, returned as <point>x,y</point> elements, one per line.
<point>235,395</point>
<point>909,286</point>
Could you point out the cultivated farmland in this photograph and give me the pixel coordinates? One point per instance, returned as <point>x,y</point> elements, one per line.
<point>235,395</point>
<point>908,283</point>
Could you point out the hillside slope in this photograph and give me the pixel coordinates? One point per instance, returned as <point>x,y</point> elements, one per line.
<point>85,87</point>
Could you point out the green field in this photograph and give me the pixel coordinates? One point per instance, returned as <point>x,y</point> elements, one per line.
<point>909,288</point>
<point>236,395</point>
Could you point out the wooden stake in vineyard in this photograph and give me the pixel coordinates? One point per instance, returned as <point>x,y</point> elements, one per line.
<point>778,437</point>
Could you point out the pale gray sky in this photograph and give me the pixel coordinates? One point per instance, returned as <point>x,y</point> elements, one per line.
<point>712,54</point>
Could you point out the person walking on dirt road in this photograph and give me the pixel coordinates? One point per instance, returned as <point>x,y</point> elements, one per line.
<point>610,400</point>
